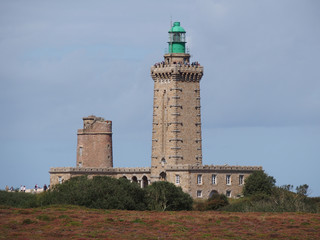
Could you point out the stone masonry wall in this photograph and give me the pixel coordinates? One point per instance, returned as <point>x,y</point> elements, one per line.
<point>188,177</point>
<point>176,132</point>
<point>94,148</point>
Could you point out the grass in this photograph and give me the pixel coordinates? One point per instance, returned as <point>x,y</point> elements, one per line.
<point>67,222</point>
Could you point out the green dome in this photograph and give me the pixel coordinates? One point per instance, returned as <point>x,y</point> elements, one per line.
<point>176,28</point>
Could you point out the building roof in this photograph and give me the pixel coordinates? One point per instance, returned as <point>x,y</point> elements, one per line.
<point>177,28</point>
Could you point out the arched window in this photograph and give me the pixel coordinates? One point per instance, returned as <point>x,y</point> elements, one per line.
<point>134,179</point>
<point>212,193</point>
<point>163,161</point>
<point>144,182</point>
<point>163,176</point>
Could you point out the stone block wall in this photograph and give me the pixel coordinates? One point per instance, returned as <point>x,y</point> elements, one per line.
<point>94,147</point>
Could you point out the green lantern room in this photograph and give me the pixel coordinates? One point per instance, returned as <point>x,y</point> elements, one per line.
<point>177,39</point>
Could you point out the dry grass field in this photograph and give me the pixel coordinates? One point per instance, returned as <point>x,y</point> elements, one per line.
<point>71,222</point>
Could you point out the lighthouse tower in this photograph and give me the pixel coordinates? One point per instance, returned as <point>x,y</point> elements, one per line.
<point>176,132</point>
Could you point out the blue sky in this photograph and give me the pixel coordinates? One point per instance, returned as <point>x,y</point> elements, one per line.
<point>64,60</point>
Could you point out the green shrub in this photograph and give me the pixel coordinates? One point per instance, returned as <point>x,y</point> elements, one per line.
<point>259,197</point>
<point>280,200</point>
<point>239,205</point>
<point>100,192</point>
<point>217,201</point>
<point>18,199</point>
<point>165,196</point>
<point>258,182</point>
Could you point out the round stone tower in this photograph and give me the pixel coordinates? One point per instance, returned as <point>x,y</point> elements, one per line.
<point>94,148</point>
<point>176,133</point>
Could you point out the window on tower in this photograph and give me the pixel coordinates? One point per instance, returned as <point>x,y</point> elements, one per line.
<point>228,179</point>
<point>241,179</point>
<point>80,151</point>
<point>228,193</point>
<point>177,179</point>
<point>214,179</point>
<point>199,179</point>
<point>199,193</point>
<point>163,161</point>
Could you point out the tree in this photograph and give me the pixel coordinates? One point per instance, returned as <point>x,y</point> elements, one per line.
<point>302,189</point>
<point>165,196</point>
<point>287,187</point>
<point>258,182</point>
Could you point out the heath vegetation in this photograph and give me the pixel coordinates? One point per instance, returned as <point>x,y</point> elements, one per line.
<point>260,194</point>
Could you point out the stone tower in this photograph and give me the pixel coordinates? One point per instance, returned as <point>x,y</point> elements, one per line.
<point>94,148</point>
<point>176,132</point>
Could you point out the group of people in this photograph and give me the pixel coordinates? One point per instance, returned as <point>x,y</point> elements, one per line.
<point>9,189</point>
<point>45,187</point>
<point>163,64</point>
<point>23,188</point>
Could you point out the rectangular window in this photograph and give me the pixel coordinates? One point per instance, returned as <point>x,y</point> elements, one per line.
<point>177,179</point>
<point>241,179</point>
<point>214,179</point>
<point>199,193</point>
<point>60,179</point>
<point>228,193</point>
<point>199,179</point>
<point>80,151</point>
<point>228,179</point>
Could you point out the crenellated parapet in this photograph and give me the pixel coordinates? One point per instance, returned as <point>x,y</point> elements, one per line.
<point>85,170</point>
<point>177,72</point>
<point>148,169</point>
<point>211,168</point>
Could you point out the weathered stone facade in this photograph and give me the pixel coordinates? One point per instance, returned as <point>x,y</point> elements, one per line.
<point>198,181</point>
<point>176,132</point>
<point>94,147</point>
<point>176,135</point>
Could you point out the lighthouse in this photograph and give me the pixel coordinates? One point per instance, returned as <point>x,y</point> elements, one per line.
<point>176,131</point>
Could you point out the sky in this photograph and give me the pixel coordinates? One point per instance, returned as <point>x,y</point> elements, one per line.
<point>61,61</point>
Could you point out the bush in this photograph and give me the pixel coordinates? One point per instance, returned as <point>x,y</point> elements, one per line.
<point>238,205</point>
<point>258,182</point>
<point>280,200</point>
<point>165,196</point>
<point>99,192</point>
<point>303,189</point>
<point>217,201</point>
<point>18,199</point>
